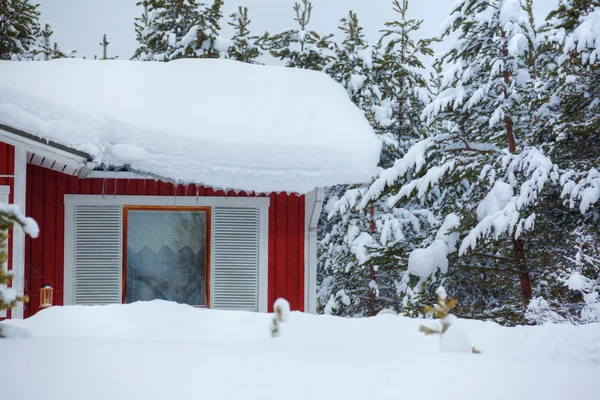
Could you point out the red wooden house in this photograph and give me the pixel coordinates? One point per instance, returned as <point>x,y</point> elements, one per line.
<point>205,190</point>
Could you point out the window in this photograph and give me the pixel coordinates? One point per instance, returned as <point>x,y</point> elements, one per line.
<point>166,254</point>
<point>203,251</point>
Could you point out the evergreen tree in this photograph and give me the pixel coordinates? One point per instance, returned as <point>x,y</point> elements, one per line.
<point>19,27</point>
<point>301,48</point>
<point>46,49</point>
<point>243,46</point>
<point>366,249</point>
<point>353,66</point>
<point>104,43</point>
<point>172,29</point>
<point>566,115</point>
<point>403,82</point>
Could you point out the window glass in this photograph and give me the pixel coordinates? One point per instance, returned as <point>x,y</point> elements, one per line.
<point>166,256</point>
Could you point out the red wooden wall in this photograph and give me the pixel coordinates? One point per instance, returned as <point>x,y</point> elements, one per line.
<point>7,166</point>
<point>45,203</point>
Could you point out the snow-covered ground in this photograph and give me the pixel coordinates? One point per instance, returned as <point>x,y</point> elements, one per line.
<point>162,350</point>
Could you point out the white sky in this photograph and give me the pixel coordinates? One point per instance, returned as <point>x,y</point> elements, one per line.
<point>80,24</point>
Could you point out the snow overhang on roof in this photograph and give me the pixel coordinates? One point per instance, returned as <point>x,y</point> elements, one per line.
<point>219,123</point>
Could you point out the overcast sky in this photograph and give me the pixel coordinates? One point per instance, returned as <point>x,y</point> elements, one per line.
<point>80,24</point>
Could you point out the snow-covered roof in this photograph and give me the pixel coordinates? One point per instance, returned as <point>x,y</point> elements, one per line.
<point>214,122</point>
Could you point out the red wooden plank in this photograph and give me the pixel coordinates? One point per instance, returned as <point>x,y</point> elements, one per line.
<point>281,246</point>
<point>295,292</point>
<point>121,187</point>
<point>97,186</point>
<point>59,239</point>
<point>291,256</point>
<point>110,187</point>
<point>300,240</point>
<point>272,242</point>
<point>191,190</point>
<point>4,150</point>
<point>48,229</point>
<point>11,160</point>
<point>74,185</point>
<point>37,255</point>
<point>165,189</point>
<point>130,187</point>
<point>142,187</point>
<point>28,244</point>
<point>152,187</point>
<point>85,186</point>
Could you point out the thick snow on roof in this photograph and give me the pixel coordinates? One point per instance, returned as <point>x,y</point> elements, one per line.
<point>216,122</point>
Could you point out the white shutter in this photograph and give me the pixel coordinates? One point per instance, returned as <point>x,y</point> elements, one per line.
<point>97,254</point>
<point>235,258</point>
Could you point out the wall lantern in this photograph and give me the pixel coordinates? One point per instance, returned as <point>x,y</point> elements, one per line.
<point>46,296</point>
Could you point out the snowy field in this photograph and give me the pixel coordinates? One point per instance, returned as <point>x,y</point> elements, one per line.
<point>162,350</point>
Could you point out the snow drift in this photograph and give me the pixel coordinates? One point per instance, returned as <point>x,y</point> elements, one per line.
<point>216,122</point>
<point>158,350</point>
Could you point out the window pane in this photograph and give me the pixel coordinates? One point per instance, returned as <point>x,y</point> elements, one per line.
<point>166,256</point>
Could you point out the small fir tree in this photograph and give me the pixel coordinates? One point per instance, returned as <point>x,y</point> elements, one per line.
<point>301,47</point>
<point>173,29</point>
<point>19,27</point>
<point>46,49</point>
<point>244,46</point>
<point>104,43</point>
<point>10,216</point>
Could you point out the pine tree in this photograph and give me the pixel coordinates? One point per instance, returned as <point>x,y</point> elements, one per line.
<point>426,203</point>
<point>104,43</point>
<point>301,48</point>
<point>46,49</point>
<point>142,33</point>
<point>403,82</point>
<point>243,45</point>
<point>172,29</point>
<point>19,27</point>
<point>353,68</point>
<point>564,124</point>
<point>367,247</point>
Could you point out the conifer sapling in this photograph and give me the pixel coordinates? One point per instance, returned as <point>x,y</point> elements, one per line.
<point>441,310</point>
<point>10,216</point>
<point>281,313</point>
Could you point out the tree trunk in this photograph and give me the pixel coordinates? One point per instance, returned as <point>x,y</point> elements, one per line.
<point>508,119</point>
<point>524,278</point>
<point>372,298</point>
<point>518,244</point>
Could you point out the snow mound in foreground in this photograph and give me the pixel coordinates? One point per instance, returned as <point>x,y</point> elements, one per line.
<point>215,122</point>
<point>165,350</point>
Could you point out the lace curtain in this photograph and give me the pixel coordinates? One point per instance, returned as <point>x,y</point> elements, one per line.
<point>166,256</point>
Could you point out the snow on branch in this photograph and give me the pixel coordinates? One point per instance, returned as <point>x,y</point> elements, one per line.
<point>500,211</point>
<point>414,159</point>
<point>585,39</point>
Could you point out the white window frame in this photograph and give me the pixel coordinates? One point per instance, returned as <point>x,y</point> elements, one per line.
<point>262,203</point>
<point>4,194</point>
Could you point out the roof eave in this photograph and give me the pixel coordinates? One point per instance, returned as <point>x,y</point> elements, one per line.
<point>81,161</point>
